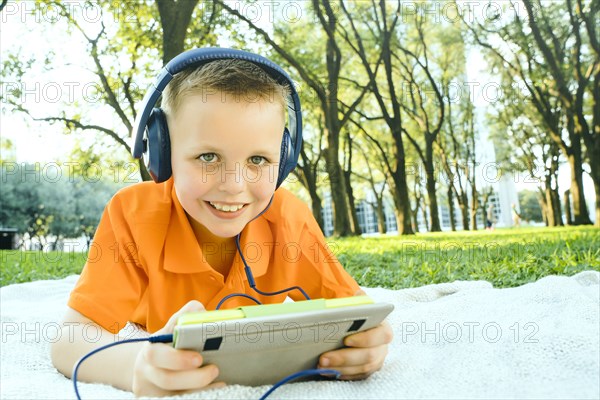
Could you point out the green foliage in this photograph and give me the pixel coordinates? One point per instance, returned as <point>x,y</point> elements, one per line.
<point>505,257</point>
<point>43,200</point>
<point>530,206</point>
<point>125,43</point>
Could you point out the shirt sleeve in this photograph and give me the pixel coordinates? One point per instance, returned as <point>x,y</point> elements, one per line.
<point>112,281</point>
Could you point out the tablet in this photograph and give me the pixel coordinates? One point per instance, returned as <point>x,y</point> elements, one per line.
<point>262,344</point>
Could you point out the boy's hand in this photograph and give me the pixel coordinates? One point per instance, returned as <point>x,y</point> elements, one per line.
<point>364,355</point>
<point>161,370</point>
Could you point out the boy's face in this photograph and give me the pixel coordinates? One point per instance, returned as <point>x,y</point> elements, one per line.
<point>225,155</point>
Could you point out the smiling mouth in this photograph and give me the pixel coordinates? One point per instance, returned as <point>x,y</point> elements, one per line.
<point>226,207</point>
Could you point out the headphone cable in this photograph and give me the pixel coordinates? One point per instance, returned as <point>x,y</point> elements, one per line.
<point>251,281</point>
<point>168,338</point>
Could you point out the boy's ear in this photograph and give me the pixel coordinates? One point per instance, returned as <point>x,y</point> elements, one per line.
<point>157,154</point>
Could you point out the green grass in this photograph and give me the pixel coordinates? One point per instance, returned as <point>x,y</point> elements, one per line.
<point>505,257</point>
<point>26,266</point>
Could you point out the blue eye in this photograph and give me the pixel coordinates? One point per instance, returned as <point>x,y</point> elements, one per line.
<point>258,160</point>
<point>208,157</point>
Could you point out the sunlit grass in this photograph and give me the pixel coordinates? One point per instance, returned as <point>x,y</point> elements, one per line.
<point>505,257</point>
<point>25,266</point>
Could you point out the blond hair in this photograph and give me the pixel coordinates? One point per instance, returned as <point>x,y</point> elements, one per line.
<point>241,79</point>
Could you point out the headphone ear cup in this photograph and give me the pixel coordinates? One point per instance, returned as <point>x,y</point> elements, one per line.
<point>158,148</point>
<point>287,159</point>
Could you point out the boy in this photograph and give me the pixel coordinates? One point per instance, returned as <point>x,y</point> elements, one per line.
<point>164,249</point>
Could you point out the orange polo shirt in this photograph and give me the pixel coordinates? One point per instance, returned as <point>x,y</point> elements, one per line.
<point>145,262</point>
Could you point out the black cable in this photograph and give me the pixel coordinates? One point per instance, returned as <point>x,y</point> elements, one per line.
<point>3,4</point>
<point>169,339</point>
<point>251,281</point>
<point>224,299</point>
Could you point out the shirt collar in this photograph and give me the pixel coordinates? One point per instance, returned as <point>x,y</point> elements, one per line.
<point>182,253</point>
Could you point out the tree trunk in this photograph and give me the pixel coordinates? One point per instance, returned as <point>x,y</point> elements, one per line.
<point>556,207</point>
<point>426,215</point>
<point>541,196</point>
<point>431,193</point>
<point>551,198</point>
<point>567,201</point>
<point>331,109</point>
<point>550,209</point>
<point>341,222</point>
<point>356,230</point>
<point>315,201</point>
<point>595,174</point>
<point>451,208</point>
<point>415,220</point>
<point>175,18</point>
<point>597,188</point>
<point>400,191</point>
<point>380,211</point>
<point>580,211</point>
<point>463,204</point>
<point>414,213</point>
<point>465,216</point>
<point>474,206</point>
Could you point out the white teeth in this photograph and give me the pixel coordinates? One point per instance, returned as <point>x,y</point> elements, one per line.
<point>225,207</point>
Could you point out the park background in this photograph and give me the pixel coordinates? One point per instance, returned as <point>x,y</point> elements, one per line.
<point>417,117</point>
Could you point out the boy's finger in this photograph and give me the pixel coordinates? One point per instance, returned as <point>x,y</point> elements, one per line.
<point>379,335</point>
<point>190,306</point>
<point>166,357</point>
<point>184,380</point>
<point>353,357</point>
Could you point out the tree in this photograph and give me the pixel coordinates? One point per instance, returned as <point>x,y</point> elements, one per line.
<point>347,173</point>
<point>49,201</point>
<point>457,153</point>
<point>175,18</point>
<point>555,56</point>
<point>135,38</point>
<point>427,113</point>
<point>521,145</point>
<point>376,182</point>
<point>382,37</point>
<point>530,207</point>
<point>90,200</point>
<point>27,200</point>
<point>325,87</point>
<point>308,171</point>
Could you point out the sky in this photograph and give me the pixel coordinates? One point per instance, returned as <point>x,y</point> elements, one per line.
<point>21,30</point>
<point>42,35</point>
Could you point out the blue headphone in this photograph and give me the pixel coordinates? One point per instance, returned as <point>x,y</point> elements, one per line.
<point>152,132</point>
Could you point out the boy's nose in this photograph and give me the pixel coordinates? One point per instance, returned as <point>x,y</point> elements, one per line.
<point>232,178</point>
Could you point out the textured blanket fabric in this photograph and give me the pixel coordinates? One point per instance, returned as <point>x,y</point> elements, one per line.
<point>452,340</point>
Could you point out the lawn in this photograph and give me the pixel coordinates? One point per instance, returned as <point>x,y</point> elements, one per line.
<point>505,257</point>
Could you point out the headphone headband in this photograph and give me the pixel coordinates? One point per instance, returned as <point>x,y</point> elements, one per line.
<point>198,57</point>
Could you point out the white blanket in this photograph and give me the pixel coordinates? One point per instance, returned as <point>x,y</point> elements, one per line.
<point>452,340</point>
